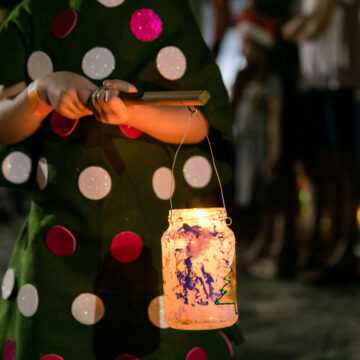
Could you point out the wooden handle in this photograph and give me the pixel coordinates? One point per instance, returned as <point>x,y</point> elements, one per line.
<point>173,98</point>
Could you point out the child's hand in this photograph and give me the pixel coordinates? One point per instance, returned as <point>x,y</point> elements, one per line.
<point>108,107</point>
<point>67,93</point>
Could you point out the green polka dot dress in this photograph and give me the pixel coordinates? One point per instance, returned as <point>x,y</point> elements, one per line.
<point>84,280</point>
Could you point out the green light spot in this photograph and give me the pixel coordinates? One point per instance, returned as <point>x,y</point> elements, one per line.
<point>304,196</point>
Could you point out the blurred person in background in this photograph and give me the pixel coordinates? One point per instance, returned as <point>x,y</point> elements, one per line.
<point>257,106</point>
<point>213,17</point>
<point>327,33</point>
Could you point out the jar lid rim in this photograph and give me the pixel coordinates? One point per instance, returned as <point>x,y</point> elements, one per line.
<point>197,212</point>
<point>208,209</point>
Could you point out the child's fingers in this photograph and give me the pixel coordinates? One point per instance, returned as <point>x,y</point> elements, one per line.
<point>109,94</point>
<point>102,108</point>
<point>69,112</point>
<point>107,107</point>
<point>70,105</point>
<point>119,85</point>
<point>82,101</point>
<point>112,110</point>
<point>93,103</point>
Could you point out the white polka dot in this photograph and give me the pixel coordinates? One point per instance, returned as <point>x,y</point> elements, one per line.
<point>16,167</point>
<point>98,63</point>
<point>28,300</point>
<point>8,284</point>
<point>88,309</point>
<point>161,183</point>
<point>42,173</point>
<point>171,63</point>
<point>156,312</point>
<point>111,3</point>
<point>94,183</point>
<point>39,64</point>
<point>197,171</point>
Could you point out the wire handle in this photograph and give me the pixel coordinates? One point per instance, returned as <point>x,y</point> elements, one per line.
<point>194,111</point>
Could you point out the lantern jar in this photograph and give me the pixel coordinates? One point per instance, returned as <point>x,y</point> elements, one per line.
<point>198,257</point>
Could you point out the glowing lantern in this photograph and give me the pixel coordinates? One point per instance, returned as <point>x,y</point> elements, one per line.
<point>198,254</point>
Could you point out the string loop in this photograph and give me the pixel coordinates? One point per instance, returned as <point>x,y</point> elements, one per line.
<point>193,111</point>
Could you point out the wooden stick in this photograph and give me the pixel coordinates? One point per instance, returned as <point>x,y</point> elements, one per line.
<point>165,98</point>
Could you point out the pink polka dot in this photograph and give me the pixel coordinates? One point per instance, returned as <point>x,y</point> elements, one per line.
<point>126,357</point>
<point>228,343</point>
<point>126,247</point>
<point>60,241</point>
<point>52,357</point>
<point>130,132</point>
<point>62,125</point>
<point>9,350</point>
<point>145,24</point>
<point>64,23</point>
<point>196,353</point>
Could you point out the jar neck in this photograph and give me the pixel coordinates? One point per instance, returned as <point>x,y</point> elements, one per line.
<point>181,215</point>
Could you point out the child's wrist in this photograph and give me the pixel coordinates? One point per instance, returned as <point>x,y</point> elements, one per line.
<point>132,113</point>
<point>40,107</point>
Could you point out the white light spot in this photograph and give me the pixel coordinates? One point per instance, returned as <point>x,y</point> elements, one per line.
<point>87,309</point>
<point>161,183</point>
<point>42,173</point>
<point>156,312</point>
<point>16,167</point>
<point>197,171</point>
<point>8,284</point>
<point>171,63</point>
<point>28,300</point>
<point>98,63</point>
<point>39,64</point>
<point>111,3</point>
<point>94,183</point>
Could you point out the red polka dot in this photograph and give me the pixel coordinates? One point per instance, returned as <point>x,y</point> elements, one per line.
<point>60,241</point>
<point>126,247</point>
<point>145,25</point>
<point>196,353</point>
<point>52,357</point>
<point>126,357</point>
<point>64,23</point>
<point>9,350</point>
<point>130,131</point>
<point>228,343</point>
<point>62,125</point>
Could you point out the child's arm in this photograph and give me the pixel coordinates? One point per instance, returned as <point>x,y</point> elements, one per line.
<point>165,123</point>
<point>65,92</point>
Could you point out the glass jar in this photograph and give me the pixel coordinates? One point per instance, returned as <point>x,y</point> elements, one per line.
<point>198,257</point>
